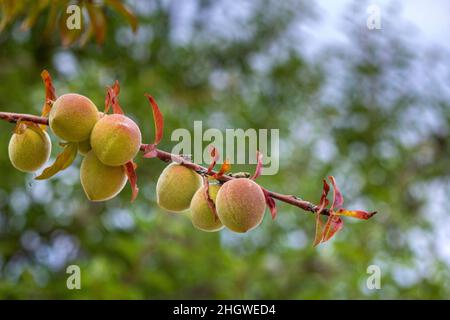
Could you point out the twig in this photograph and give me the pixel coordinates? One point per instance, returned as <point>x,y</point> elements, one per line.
<point>169,157</point>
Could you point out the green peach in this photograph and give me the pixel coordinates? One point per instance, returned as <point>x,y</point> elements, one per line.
<point>176,186</point>
<point>29,150</point>
<point>84,147</point>
<point>202,216</point>
<point>72,117</point>
<point>116,139</point>
<point>101,182</point>
<point>240,204</point>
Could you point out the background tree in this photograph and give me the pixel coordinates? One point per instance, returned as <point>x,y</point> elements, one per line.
<point>373,113</point>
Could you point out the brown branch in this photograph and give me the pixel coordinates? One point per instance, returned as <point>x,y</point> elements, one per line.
<point>14,117</point>
<point>169,157</point>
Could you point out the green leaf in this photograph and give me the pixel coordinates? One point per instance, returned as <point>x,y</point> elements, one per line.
<point>62,162</point>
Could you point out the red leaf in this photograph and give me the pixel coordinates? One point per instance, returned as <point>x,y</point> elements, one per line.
<point>130,169</point>
<point>338,199</point>
<point>214,157</point>
<point>333,226</point>
<point>50,93</point>
<point>158,120</point>
<point>209,201</point>
<point>223,169</point>
<point>259,165</point>
<point>270,203</point>
<point>112,99</point>
<point>359,214</point>
<point>323,199</point>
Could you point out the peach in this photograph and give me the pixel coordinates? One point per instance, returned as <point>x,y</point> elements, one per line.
<point>72,117</point>
<point>101,182</point>
<point>240,204</point>
<point>176,186</point>
<point>29,150</point>
<point>115,139</point>
<point>202,216</point>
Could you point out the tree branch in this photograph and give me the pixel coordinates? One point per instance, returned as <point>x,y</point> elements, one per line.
<point>169,157</point>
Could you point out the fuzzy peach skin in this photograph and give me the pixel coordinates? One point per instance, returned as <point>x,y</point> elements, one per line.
<point>101,182</point>
<point>72,117</point>
<point>116,139</point>
<point>201,215</point>
<point>30,150</point>
<point>240,204</point>
<point>176,186</point>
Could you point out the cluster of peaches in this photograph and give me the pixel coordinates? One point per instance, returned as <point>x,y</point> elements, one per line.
<point>109,141</point>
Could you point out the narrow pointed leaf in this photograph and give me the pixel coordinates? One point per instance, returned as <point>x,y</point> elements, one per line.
<point>338,199</point>
<point>333,226</point>
<point>223,169</point>
<point>270,204</point>
<point>158,120</point>
<point>319,230</point>
<point>323,199</point>
<point>63,160</point>
<point>214,157</point>
<point>50,93</point>
<point>130,169</point>
<point>259,165</point>
<point>358,214</point>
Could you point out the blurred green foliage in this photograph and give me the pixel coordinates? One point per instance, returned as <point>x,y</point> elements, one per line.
<point>372,112</point>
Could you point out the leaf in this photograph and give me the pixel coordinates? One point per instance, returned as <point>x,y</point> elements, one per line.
<point>209,201</point>
<point>319,230</point>
<point>112,99</point>
<point>259,165</point>
<point>323,199</point>
<point>63,160</point>
<point>322,205</point>
<point>130,169</point>
<point>214,157</point>
<point>333,226</point>
<point>98,22</point>
<point>270,203</point>
<point>158,119</point>
<point>358,214</point>
<point>126,12</point>
<point>338,199</point>
<point>223,169</point>
<point>50,93</point>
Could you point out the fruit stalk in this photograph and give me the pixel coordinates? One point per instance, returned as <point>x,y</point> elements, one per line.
<point>169,157</point>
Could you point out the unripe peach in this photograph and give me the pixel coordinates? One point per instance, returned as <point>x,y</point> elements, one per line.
<point>84,147</point>
<point>240,204</point>
<point>176,186</point>
<point>72,117</point>
<point>202,216</point>
<point>116,139</point>
<point>29,150</point>
<point>101,182</point>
